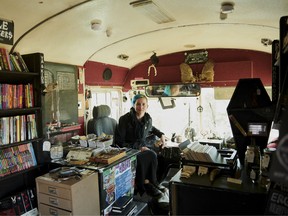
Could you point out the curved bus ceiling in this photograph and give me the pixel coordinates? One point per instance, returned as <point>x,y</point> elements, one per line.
<point>62,29</point>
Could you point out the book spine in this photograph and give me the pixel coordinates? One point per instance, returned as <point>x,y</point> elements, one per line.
<point>2,66</point>
<point>21,62</point>
<point>4,58</point>
<point>1,96</point>
<point>10,67</point>
<point>15,63</point>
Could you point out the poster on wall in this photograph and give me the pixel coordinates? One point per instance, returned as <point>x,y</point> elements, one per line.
<point>6,31</point>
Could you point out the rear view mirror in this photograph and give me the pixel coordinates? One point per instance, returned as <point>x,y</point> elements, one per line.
<point>173,90</point>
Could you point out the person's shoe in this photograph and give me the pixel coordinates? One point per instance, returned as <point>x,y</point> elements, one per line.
<point>164,198</point>
<point>152,191</point>
<point>161,187</point>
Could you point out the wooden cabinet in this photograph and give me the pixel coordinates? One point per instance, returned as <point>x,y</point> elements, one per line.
<point>75,196</point>
<point>20,125</point>
<point>93,194</point>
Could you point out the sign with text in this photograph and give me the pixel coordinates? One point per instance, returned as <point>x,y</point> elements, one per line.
<point>6,31</point>
<point>277,202</point>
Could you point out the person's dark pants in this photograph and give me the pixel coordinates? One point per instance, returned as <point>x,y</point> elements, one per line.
<point>146,169</point>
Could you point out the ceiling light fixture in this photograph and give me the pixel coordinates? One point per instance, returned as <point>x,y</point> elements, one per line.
<point>108,32</point>
<point>152,10</point>
<point>96,25</point>
<point>227,7</point>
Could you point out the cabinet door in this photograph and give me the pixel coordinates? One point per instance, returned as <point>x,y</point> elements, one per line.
<point>193,199</point>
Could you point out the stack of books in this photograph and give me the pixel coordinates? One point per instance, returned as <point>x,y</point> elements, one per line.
<point>108,157</point>
<point>124,206</point>
<point>12,62</point>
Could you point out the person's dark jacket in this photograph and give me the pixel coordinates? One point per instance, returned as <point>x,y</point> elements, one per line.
<point>132,133</point>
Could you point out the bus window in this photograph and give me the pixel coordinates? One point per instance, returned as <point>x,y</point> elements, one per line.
<point>205,114</point>
<point>109,96</point>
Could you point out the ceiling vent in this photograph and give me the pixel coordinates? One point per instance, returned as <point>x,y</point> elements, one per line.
<point>152,11</point>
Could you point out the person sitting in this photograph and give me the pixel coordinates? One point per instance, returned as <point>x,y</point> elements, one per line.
<point>131,131</point>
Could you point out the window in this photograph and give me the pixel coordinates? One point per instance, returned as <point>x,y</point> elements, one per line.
<point>109,96</point>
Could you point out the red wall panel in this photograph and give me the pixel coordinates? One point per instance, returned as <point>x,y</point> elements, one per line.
<point>230,65</point>
<point>94,74</point>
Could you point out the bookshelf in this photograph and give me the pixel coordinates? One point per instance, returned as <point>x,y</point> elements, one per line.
<point>20,122</point>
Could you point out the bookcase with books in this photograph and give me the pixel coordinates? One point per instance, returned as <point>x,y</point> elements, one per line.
<point>20,120</point>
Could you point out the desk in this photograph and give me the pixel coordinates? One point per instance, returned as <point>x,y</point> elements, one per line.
<point>197,195</point>
<point>103,187</point>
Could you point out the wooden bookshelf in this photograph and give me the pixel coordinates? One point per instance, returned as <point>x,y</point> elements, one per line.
<point>20,121</point>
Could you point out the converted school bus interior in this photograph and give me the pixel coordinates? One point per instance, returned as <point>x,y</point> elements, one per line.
<point>82,54</point>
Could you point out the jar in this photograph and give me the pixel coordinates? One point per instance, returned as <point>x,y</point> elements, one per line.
<point>56,152</point>
<point>252,161</point>
<point>266,159</point>
<point>265,167</point>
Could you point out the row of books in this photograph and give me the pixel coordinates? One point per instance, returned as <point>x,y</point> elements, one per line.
<point>12,62</point>
<point>199,152</point>
<point>16,158</point>
<point>17,128</point>
<point>21,203</point>
<point>16,96</point>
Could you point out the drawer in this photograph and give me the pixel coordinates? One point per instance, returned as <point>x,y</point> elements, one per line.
<point>55,201</point>
<point>49,210</point>
<point>54,190</point>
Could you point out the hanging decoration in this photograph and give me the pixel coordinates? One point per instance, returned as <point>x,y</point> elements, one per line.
<point>155,60</point>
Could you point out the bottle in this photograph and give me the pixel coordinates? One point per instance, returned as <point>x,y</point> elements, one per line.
<point>265,167</point>
<point>252,161</point>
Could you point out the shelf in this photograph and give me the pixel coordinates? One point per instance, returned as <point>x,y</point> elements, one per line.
<point>19,173</point>
<point>65,129</point>
<point>16,77</point>
<point>19,143</point>
<point>32,112</point>
<point>23,111</point>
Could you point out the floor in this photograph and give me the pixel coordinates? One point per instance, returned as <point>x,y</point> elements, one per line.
<point>154,207</point>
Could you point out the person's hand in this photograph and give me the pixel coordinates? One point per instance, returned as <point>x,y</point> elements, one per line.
<point>143,148</point>
<point>163,140</point>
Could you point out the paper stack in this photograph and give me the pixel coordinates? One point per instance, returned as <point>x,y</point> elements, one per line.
<point>199,152</point>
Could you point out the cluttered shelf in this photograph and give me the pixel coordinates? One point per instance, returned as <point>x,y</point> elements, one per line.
<point>55,129</point>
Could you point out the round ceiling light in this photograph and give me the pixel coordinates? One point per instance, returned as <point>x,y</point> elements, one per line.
<point>227,7</point>
<point>96,24</point>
